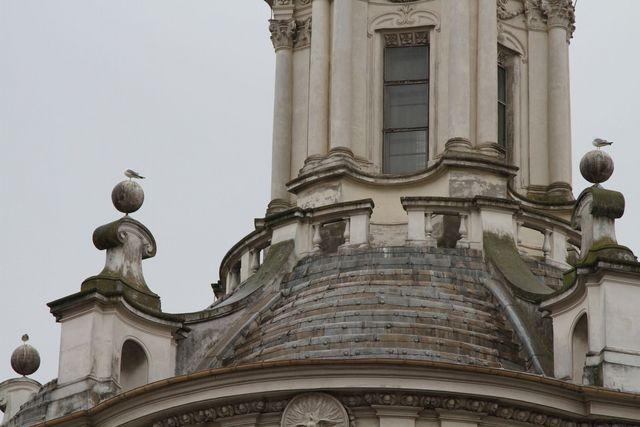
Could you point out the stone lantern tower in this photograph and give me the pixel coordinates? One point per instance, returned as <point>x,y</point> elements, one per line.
<point>485,100</point>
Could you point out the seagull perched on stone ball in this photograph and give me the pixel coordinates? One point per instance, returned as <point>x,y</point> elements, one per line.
<point>599,142</point>
<point>132,174</point>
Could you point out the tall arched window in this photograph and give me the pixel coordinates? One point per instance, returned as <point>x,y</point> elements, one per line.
<point>579,348</point>
<point>134,366</point>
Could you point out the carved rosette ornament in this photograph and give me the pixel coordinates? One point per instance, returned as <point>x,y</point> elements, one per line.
<point>282,33</point>
<point>315,410</point>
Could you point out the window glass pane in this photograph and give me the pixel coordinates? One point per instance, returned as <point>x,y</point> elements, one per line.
<point>406,63</point>
<point>406,164</point>
<point>405,152</point>
<point>502,84</point>
<point>502,125</point>
<point>406,106</point>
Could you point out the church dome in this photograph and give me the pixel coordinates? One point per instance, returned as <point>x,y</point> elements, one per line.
<point>391,303</point>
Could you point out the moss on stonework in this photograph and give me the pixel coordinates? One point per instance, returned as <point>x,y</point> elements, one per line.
<point>502,252</point>
<point>107,285</point>
<point>607,250</point>
<point>607,203</point>
<point>547,199</point>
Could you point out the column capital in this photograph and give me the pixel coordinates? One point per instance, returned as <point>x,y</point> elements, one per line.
<point>560,13</point>
<point>282,33</point>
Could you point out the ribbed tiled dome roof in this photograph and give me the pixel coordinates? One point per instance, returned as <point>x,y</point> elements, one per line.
<point>406,303</point>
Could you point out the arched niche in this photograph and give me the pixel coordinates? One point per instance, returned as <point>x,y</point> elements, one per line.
<point>579,348</point>
<point>134,366</point>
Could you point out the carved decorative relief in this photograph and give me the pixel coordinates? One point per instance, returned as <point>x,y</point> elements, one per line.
<point>302,37</point>
<point>403,17</point>
<point>315,410</point>
<point>536,19</point>
<point>554,13</point>
<point>505,13</point>
<point>301,410</point>
<point>414,38</point>
<point>560,13</point>
<point>282,33</point>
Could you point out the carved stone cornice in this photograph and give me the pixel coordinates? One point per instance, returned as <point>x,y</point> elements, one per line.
<point>282,33</point>
<point>422,401</point>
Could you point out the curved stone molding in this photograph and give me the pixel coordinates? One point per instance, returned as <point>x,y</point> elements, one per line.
<point>511,42</point>
<point>404,17</point>
<point>213,413</point>
<point>315,410</point>
<point>502,411</point>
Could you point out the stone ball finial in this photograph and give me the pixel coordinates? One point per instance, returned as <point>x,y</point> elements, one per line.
<point>25,360</point>
<point>596,166</point>
<point>127,196</point>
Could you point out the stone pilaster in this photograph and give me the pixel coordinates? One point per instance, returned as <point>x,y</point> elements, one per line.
<point>319,79</point>
<point>282,36</point>
<point>341,73</point>
<point>459,75</point>
<point>487,82</point>
<point>560,18</point>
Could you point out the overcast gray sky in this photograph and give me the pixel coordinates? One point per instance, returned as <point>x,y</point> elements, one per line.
<point>182,91</point>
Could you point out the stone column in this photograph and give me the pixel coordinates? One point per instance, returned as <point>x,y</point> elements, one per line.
<point>341,72</point>
<point>560,21</point>
<point>459,75</point>
<point>282,33</point>
<point>487,80</point>
<point>319,79</point>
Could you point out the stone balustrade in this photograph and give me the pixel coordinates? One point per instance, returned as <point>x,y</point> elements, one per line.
<point>323,228</point>
<point>476,216</point>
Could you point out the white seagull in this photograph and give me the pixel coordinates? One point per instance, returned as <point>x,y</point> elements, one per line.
<point>132,174</point>
<point>599,142</point>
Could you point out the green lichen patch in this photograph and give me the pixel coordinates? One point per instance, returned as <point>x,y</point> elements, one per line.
<point>503,254</point>
<point>607,250</point>
<point>605,203</point>
<point>110,286</point>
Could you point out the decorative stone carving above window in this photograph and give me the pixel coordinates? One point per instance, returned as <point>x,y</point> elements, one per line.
<point>315,410</point>
<point>416,38</point>
<point>403,17</point>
